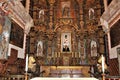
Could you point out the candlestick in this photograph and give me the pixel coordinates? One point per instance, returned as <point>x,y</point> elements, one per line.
<point>75,54</point>
<point>59,54</point>
<point>26,65</point>
<point>79,55</point>
<point>72,54</point>
<point>103,76</point>
<point>52,54</point>
<point>103,62</point>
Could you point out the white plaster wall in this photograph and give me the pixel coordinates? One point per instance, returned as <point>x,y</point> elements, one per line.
<point>113,52</point>
<point>20,51</point>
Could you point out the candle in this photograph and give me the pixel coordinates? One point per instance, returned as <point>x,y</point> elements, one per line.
<point>59,54</point>
<point>56,54</point>
<point>103,62</point>
<point>72,54</point>
<point>79,54</point>
<point>26,65</point>
<point>53,54</point>
<point>75,54</point>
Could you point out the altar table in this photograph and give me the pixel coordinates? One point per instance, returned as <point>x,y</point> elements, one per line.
<point>49,78</point>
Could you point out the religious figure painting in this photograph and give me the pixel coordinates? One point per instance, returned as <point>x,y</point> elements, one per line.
<point>93,48</point>
<point>4,38</point>
<point>66,42</point>
<point>65,9</point>
<point>40,48</point>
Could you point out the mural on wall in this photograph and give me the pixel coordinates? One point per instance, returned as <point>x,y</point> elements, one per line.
<point>4,36</point>
<point>16,35</point>
<point>66,42</point>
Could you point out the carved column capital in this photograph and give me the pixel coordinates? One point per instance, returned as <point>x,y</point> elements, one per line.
<point>51,1</point>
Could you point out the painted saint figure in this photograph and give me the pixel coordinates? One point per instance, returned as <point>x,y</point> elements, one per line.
<point>3,47</point>
<point>31,64</point>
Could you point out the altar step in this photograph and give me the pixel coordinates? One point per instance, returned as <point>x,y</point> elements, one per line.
<point>13,77</point>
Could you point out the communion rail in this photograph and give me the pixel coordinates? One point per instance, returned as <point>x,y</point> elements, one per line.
<point>112,78</point>
<point>13,77</point>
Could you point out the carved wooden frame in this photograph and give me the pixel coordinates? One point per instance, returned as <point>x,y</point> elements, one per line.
<point>68,38</point>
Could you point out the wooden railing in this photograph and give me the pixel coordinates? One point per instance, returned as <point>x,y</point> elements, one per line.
<point>13,77</point>
<point>112,78</point>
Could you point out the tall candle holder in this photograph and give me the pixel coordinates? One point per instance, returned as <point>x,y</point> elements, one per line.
<point>26,68</point>
<point>103,76</point>
<point>103,68</point>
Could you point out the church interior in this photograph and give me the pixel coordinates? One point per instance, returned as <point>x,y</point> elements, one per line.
<point>59,39</point>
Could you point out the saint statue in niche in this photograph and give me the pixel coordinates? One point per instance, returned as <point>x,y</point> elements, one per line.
<point>66,45</point>
<point>91,13</point>
<point>31,63</point>
<point>39,49</point>
<point>41,15</point>
<point>93,49</point>
<point>66,11</point>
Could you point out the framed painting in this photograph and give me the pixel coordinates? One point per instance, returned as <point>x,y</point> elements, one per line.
<point>16,35</point>
<point>66,42</point>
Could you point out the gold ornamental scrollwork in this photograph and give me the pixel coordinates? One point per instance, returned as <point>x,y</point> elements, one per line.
<point>1,29</point>
<point>65,21</point>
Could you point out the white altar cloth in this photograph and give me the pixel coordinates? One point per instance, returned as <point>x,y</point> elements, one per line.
<point>49,78</point>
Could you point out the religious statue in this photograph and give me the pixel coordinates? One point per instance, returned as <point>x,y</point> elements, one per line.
<point>97,68</point>
<point>93,49</point>
<point>39,49</point>
<point>99,65</point>
<point>31,64</point>
<point>66,11</point>
<point>66,45</point>
<point>91,13</point>
<point>41,15</point>
<point>66,48</point>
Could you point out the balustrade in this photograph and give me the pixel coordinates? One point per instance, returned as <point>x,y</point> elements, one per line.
<point>112,78</point>
<point>13,77</point>
<point>66,59</point>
